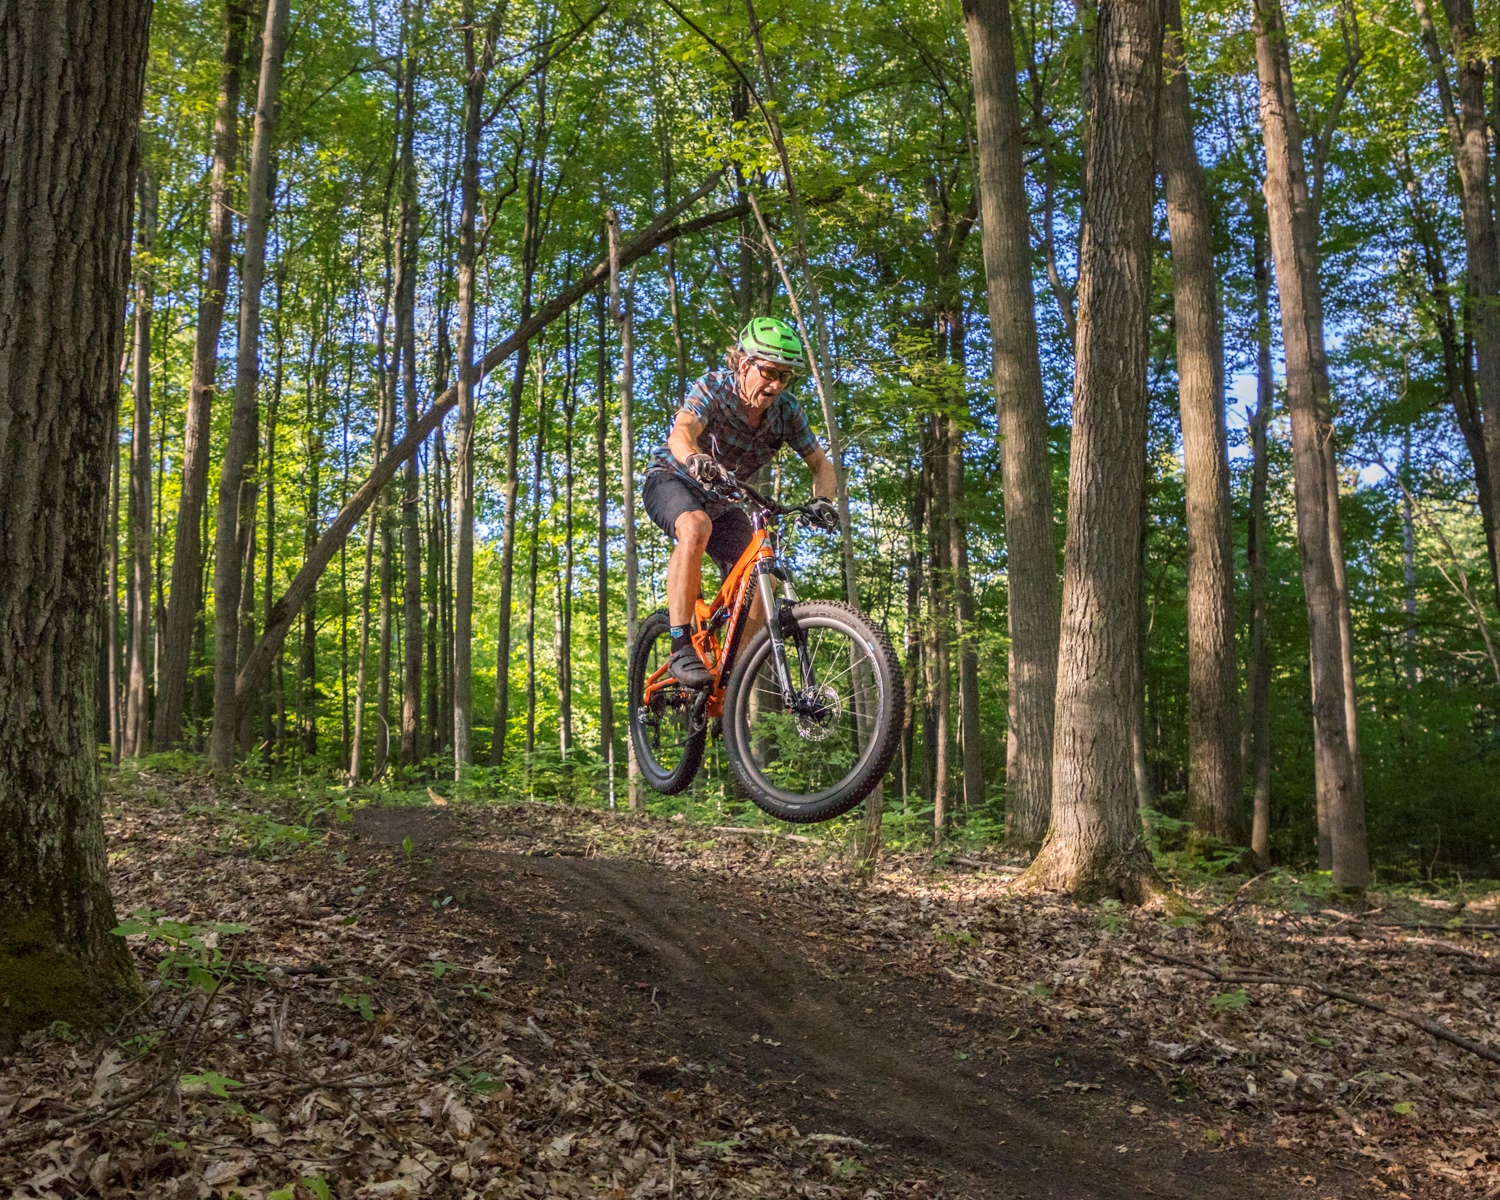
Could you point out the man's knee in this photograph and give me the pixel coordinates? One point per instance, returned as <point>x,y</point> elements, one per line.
<point>693,530</point>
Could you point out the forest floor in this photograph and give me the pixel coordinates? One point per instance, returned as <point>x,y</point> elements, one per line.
<point>523,999</point>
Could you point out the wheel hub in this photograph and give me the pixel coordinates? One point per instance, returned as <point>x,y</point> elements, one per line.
<point>817,712</point>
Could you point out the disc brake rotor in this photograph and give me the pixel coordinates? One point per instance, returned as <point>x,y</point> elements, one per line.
<point>829,706</point>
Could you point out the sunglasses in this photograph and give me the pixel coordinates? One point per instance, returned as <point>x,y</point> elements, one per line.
<point>782,375</point>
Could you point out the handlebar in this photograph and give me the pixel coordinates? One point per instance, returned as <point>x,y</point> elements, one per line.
<point>736,492</point>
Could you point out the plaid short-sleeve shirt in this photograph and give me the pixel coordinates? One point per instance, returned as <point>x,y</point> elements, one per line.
<point>714,400</point>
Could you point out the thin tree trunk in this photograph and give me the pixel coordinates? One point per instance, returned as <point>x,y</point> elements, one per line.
<point>364,618</point>
<point>565,600</point>
<point>1093,847</point>
<point>914,673</point>
<point>70,114</point>
<point>185,600</point>
<point>1294,248</point>
<point>138,539</point>
<point>1215,802</point>
<point>308,666</point>
<point>968,652</point>
<point>1259,683</point>
<point>114,725</point>
<point>1409,565</point>
<point>476,68</point>
<point>273,419</point>
<point>601,486</point>
<point>1469,134</point>
<point>535,554</point>
<point>406,351</point>
<point>939,674</point>
<point>241,442</point>
<point>530,248</point>
<point>622,309</point>
<point>1026,468</point>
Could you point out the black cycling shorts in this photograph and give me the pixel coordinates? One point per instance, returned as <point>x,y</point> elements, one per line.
<point>666,497</point>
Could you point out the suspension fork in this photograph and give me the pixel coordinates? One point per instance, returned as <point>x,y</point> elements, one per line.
<point>781,625</point>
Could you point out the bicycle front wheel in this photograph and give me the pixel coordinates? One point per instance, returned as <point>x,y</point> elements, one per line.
<point>826,751</point>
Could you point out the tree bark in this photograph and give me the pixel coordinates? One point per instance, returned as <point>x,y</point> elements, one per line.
<point>1215,803</point>
<point>1294,249</point>
<point>185,600</point>
<point>138,517</point>
<point>1093,847</point>
<point>1259,683</point>
<point>71,81</point>
<point>1031,552</point>
<point>534,554</point>
<point>241,442</point>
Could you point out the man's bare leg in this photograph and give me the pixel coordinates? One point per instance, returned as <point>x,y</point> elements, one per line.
<point>685,567</point>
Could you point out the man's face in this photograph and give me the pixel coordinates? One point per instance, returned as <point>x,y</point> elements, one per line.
<point>761,382</point>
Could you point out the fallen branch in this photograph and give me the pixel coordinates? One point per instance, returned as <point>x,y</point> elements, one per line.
<point>1426,1024</point>
<point>52,1126</point>
<point>981,865</point>
<point>774,833</point>
<point>657,233</point>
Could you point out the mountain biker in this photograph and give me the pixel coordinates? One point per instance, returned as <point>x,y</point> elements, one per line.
<point>745,415</point>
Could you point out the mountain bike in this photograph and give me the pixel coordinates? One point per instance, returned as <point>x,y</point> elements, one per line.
<point>810,704</point>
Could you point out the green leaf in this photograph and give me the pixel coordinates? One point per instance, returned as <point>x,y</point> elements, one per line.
<point>1235,999</point>
<point>1405,1107</point>
<point>360,1003</point>
<point>439,969</point>
<point>406,845</point>
<point>218,1084</point>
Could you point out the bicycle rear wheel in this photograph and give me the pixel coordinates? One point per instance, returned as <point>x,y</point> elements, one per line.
<point>826,752</point>
<point>668,732</point>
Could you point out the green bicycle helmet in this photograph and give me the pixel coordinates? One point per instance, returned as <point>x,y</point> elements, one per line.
<point>774,340</point>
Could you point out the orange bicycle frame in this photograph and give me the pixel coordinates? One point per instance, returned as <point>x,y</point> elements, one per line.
<point>736,595</point>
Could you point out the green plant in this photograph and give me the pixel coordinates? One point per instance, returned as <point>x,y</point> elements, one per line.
<point>191,952</point>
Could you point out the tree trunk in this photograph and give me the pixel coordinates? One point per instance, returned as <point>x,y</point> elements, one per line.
<point>1215,803</point>
<point>1259,683</point>
<point>1294,248</point>
<point>308,666</point>
<point>940,628</point>
<point>535,554</point>
<point>1093,847</point>
<point>530,247</point>
<point>241,442</point>
<point>476,68</point>
<point>565,599</point>
<point>914,674</point>
<point>185,600</point>
<point>1468,128</point>
<point>113,722</point>
<point>138,539</point>
<point>1031,551</point>
<point>70,108</point>
<point>622,308</point>
<point>601,487</point>
<point>968,651</point>
<point>406,350</point>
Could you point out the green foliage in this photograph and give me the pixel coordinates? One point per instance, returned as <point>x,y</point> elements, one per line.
<point>190,953</point>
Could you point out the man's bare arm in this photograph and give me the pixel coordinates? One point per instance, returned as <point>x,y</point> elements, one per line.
<point>824,481</point>
<point>683,440</point>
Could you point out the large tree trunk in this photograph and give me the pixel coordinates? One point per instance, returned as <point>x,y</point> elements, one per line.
<point>1294,249</point>
<point>1214,800</point>
<point>1027,472</point>
<point>138,517</point>
<point>185,601</point>
<point>1259,683</point>
<point>241,442</point>
<point>1093,847</point>
<point>71,78</point>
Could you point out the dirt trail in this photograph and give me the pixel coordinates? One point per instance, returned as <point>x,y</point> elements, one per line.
<point>688,973</point>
